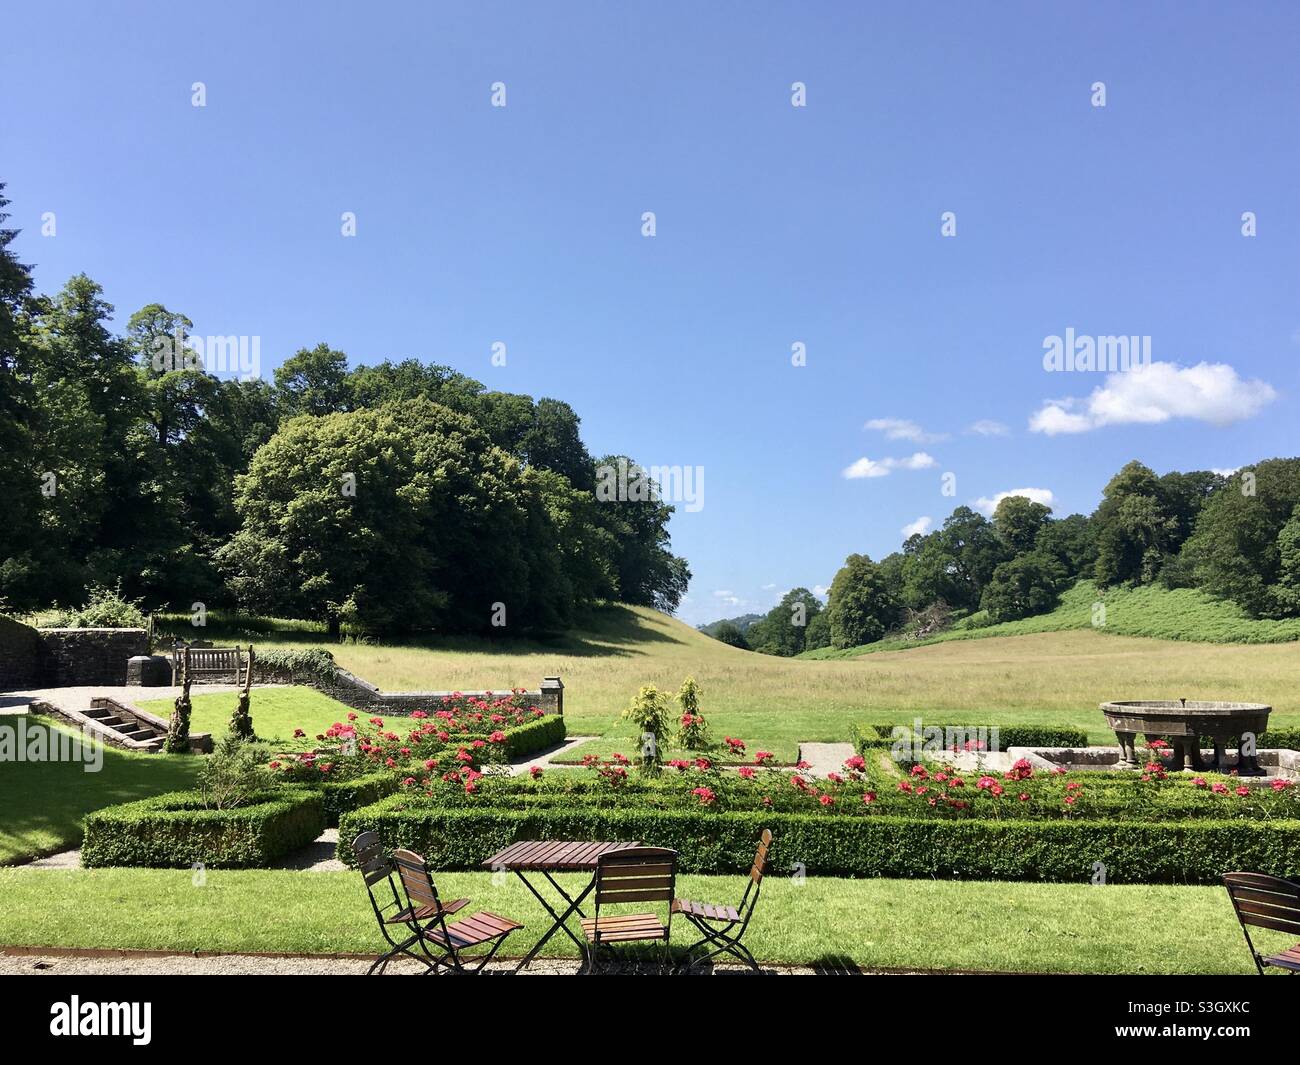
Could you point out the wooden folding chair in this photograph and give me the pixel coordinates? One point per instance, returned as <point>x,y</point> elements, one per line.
<point>724,926</point>
<point>637,874</point>
<point>1266,902</point>
<point>426,915</point>
<point>390,911</point>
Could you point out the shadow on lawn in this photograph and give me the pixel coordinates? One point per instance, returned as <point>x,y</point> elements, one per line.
<point>611,630</point>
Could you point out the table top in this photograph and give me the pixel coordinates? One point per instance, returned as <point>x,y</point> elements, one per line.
<point>552,856</point>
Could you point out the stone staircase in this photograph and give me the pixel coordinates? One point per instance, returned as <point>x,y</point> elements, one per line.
<point>120,725</point>
<point>114,717</point>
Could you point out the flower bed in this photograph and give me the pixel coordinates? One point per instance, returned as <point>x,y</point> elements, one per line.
<point>176,830</point>
<point>867,821</point>
<point>465,732</point>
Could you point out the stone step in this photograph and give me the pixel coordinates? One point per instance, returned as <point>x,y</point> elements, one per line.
<point>138,734</point>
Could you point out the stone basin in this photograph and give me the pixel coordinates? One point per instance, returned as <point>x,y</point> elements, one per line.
<point>1182,722</point>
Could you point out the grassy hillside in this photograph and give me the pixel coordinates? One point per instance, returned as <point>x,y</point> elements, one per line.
<point>1180,614</point>
<point>1048,677</point>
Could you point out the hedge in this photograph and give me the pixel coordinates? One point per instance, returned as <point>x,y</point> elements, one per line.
<point>715,842</point>
<point>340,796</point>
<point>175,830</point>
<point>881,734</point>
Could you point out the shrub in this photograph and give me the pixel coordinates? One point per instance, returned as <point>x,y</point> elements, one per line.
<point>648,711</point>
<point>693,730</point>
<point>177,830</point>
<point>106,608</point>
<point>298,662</point>
<point>881,735</point>
<point>342,796</point>
<point>717,842</point>
<point>232,774</point>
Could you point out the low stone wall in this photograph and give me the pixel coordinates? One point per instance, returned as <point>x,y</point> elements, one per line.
<point>19,655</point>
<point>359,694</point>
<point>87,657</point>
<point>61,658</point>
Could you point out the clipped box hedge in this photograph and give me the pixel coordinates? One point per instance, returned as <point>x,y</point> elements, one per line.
<point>174,830</point>
<point>877,735</point>
<point>537,735</point>
<point>340,796</point>
<point>711,841</point>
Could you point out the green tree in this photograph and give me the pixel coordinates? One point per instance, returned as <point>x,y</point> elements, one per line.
<point>861,606</point>
<point>728,632</point>
<point>1237,549</point>
<point>313,381</point>
<point>1018,521</point>
<point>1028,584</point>
<point>1135,529</point>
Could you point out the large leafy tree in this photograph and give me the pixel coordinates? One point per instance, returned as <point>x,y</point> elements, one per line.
<point>22,583</point>
<point>1018,521</point>
<point>1135,528</point>
<point>784,629</point>
<point>1242,547</point>
<point>862,606</point>
<point>1027,584</point>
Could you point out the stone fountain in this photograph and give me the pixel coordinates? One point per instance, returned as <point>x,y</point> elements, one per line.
<point>1182,723</point>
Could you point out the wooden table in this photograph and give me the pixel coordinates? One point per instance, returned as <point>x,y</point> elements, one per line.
<point>548,857</point>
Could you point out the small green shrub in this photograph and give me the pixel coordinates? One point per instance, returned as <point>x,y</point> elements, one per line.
<point>106,608</point>
<point>877,735</point>
<point>649,712</point>
<point>298,662</point>
<point>177,830</point>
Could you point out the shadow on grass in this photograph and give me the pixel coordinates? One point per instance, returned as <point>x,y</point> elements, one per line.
<point>610,630</point>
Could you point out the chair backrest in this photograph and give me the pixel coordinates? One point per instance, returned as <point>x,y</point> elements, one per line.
<point>416,881</point>
<point>1265,901</point>
<point>638,874</point>
<point>760,857</point>
<point>375,866</point>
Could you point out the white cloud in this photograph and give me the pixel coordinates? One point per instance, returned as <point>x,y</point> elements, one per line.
<point>921,526</point>
<point>768,587</point>
<point>988,427</point>
<point>1224,472</point>
<point>821,591</point>
<point>988,505</point>
<point>1207,392</point>
<point>866,467</point>
<point>902,429</point>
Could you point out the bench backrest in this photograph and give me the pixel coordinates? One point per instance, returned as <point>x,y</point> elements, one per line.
<point>212,659</point>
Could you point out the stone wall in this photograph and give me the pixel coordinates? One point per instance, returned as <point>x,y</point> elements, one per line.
<point>86,657</point>
<point>359,694</point>
<point>19,655</point>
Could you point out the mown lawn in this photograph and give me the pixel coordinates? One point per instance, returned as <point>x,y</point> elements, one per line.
<point>42,803</point>
<point>276,712</point>
<point>773,703</point>
<point>895,924</point>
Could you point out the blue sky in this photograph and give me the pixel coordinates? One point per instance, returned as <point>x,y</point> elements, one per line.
<point>774,225</point>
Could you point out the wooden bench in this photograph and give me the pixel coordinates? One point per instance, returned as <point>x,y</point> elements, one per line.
<point>209,661</point>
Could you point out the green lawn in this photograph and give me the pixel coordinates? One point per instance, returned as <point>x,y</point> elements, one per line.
<point>1011,927</point>
<point>276,712</point>
<point>42,803</point>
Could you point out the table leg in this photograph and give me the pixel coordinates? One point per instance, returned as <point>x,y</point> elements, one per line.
<point>560,919</point>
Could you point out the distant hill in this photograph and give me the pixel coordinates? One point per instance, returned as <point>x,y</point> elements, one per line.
<point>742,623</point>
<point>1150,610</point>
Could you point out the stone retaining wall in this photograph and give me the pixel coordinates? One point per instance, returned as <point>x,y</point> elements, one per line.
<point>60,658</point>
<point>359,694</point>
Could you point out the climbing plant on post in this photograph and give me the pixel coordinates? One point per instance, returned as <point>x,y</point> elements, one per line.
<point>178,728</point>
<point>241,721</point>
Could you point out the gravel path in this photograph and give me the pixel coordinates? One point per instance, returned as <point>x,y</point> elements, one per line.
<point>261,965</point>
<point>825,758</point>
